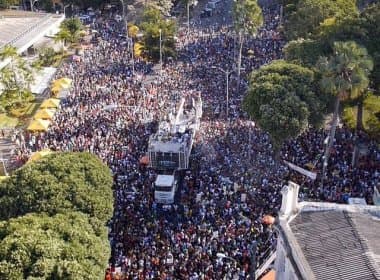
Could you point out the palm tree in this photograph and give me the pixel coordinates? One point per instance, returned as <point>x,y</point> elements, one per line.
<point>9,52</point>
<point>62,36</point>
<point>344,74</point>
<point>73,26</point>
<point>248,18</point>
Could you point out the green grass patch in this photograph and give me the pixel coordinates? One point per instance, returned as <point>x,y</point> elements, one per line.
<point>371,111</point>
<point>8,121</point>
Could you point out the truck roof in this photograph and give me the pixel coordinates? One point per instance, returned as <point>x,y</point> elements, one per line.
<point>164,180</point>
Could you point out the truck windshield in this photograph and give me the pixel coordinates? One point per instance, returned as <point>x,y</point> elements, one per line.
<point>163,188</point>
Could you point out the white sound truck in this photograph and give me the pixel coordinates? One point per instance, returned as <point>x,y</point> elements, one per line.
<point>170,147</point>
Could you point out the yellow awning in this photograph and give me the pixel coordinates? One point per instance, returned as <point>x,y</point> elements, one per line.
<point>62,83</point>
<point>50,103</point>
<point>38,155</point>
<point>38,125</point>
<point>45,114</point>
<point>56,88</point>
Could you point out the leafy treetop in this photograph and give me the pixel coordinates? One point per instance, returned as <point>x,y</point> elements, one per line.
<point>64,246</point>
<point>58,183</point>
<point>281,98</point>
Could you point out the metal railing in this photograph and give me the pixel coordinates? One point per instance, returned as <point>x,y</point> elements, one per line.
<point>266,264</point>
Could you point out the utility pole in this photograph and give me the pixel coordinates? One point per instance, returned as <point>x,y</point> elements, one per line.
<point>227,73</point>
<point>64,9</point>
<point>188,17</point>
<point>124,18</point>
<point>227,92</point>
<point>133,57</point>
<point>161,51</point>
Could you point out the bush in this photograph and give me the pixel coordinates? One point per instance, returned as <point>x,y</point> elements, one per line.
<point>64,246</point>
<point>58,183</point>
<point>47,56</point>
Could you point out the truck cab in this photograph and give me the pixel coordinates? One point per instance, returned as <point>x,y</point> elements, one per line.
<point>165,187</point>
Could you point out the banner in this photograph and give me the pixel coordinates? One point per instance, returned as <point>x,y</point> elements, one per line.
<point>311,175</point>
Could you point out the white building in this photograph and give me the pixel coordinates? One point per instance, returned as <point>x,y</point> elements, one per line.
<point>327,241</point>
<point>22,29</point>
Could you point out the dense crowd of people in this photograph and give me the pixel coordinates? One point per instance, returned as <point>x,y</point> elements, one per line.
<point>343,180</point>
<point>235,179</point>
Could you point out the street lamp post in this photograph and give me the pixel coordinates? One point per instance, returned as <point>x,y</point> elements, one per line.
<point>124,18</point>
<point>188,16</point>
<point>133,56</point>
<point>160,51</point>
<point>64,9</point>
<point>227,73</point>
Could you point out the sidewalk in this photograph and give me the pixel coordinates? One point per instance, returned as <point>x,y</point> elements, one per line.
<point>6,146</point>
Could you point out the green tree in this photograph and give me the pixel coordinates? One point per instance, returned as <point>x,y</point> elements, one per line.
<point>281,99</point>
<point>84,4</point>
<point>47,56</point>
<point>58,183</point>
<point>369,23</point>
<point>305,52</point>
<point>46,5</point>
<point>163,6</point>
<point>344,73</point>
<point>70,31</point>
<point>16,77</point>
<point>63,36</point>
<point>152,23</point>
<point>360,28</point>
<point>64,246</point>
<point>4,4</point>
<point>303,17</point>
<point>248,18</point>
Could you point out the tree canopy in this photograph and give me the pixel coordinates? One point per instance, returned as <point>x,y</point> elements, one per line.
<point>281,99</point>
<point>151,24</point>
<point>64,246</point>
<point>58,183</point>
<point>343,74</point>
<point>84,4</point>
<point>346,71</point>
<point>163,6</point>
<point>303,17</point>
<point>15,78</point>
<point>360,28</point>
<point>248,16</point>
<point>70,30</point>
<point>4,4</point>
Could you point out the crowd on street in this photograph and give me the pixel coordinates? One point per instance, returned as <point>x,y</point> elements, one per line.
<point>235,180</point>
<point>343,179</point>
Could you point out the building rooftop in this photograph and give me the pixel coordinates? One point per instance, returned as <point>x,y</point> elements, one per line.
<point>338,241</point>
<point>22,29</point>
